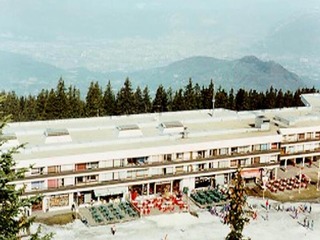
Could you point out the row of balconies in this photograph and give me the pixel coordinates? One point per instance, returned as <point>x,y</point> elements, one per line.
<point>300,138</point>
<point>299,152</point>
<point>151,164</point>
<point>43,186</point>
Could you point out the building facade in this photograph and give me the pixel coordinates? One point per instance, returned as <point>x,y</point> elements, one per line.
<point>75,161</point>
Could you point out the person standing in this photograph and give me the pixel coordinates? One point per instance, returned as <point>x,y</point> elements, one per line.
<point>267,204</point>
<point>113,229</point>
<point>310,209</point>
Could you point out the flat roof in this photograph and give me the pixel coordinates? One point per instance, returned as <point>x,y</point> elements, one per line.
<point>100,134</point>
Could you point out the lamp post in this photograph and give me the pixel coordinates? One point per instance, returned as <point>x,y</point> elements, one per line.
<point>264,180</point>
<point>318,176</point>
<point>300,179</point>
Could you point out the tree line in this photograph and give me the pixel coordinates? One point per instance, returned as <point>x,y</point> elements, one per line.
<point>65,101</point>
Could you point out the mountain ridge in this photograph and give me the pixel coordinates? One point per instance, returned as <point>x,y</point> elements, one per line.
<point>25,75</point>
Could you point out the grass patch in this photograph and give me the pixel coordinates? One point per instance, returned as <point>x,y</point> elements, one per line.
<point>310,194</point>
<point>58,219</point>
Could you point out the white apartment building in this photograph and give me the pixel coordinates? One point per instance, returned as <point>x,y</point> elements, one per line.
<point>77,160</point>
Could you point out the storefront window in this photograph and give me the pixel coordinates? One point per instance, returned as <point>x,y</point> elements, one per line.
<point>59,200</point>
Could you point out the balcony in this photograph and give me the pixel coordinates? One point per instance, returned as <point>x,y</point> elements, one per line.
<point>164,164</point>
<point>149,179</point>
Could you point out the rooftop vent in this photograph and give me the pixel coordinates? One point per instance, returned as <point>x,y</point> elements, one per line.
<point>8,140</point>
<point>262,122</point>
<point>131,130</point>
<point>8,137</point>
<point>54,135</point>
<point>172,127</point>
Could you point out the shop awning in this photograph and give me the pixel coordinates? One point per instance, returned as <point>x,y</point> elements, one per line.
<point>251,173</point>
<point>109,191</point>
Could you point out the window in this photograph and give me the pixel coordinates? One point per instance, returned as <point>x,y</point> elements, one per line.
<point>234,150</point>
<point>201,167</point>
<point>92,165</point>
<point>244,149</point>
<point>37,171</point>
<point>234,163</point>
<point>257,147</point>
<point>54,169</point>
<point>92,178</point>
<point>213,152</point>
<point>37,185</point>
<point>264,147</point>
<point>167,157</point>
<point>301,136</point>
<point>309,135</point>
<point>179,155</point>
<point>256,160</point>
<point>317,135</point>
<point>223,164</point>
<point>223,151</point>
<point>274,146</point>
<point>243,162</point>
<point>201,154</point>
<point>179,169</point>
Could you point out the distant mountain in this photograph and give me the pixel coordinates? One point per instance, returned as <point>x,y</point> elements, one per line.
<point>298,36</point>
<point>248,72</point>
<point>25,75</point>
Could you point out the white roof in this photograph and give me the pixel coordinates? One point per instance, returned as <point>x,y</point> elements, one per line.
<point>101,134</point>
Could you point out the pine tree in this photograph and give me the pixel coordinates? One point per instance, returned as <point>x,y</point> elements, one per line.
<point>170,99</point>
<point>178,101</point>
<point>62,105</point>
<point>189,96</point>
<point>236,217</point>
<point>138,104</point>
<point>125,99</point>
<point>207,95</point>
<point>51,109</point>
<point>160,102</point>
<point>13,218</point>
<point>76,105</point>
<point>231,100</point>
<point>221,98</point>
<point>242,101</point>
<point>29,109</point>
<point>94,106</point>
<point>42,100</point>
<point>146,100</point>
<point>109,100</point>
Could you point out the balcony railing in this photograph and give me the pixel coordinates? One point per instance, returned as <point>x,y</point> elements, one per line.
<point>149,179</point>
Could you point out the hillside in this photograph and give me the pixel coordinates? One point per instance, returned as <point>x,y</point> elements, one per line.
<point>25,75</point>
<point>247,72</point>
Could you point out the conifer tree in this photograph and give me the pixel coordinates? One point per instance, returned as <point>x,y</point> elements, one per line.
<point>236,217</point>
<point>51,110</point>
<point>170,99</point>
<point>109,100</point>
<point>76,105</point>
<point>41,104</point>
<point>160,102</point>
<point>13,218</point>
<point>178,101</point>
<point>146,100</point>
<point>94,100</point>
<point>189,96</point>
<point>138,104</point>
<point>125,99</point>
<point>62,105</point>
